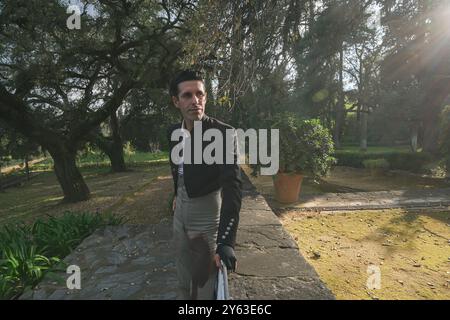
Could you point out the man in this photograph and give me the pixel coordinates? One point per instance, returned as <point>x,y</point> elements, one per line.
<point>207,196</point>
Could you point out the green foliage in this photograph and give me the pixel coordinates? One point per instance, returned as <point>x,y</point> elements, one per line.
<point>90,154</point>
<point>402,160</point>
<point>128,149</point>
<point>27,252</point>
<point>376,164</point>
<point>58,236</point>
<point>305,145</point>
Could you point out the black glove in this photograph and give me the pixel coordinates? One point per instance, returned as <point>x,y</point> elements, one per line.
<point>226,253</point>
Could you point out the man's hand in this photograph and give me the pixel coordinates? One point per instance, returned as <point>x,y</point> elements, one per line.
<point>226,254</point>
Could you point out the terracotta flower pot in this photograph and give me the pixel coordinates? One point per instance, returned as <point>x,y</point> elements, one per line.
<point>287,187</point>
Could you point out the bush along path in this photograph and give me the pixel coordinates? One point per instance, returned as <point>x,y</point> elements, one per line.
<point>28,252</point>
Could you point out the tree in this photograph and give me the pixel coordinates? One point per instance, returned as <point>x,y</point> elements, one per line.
<point>241,53</point>
<point>417,63</point>
<point>145,118</point>
<point>362,65</point>
<point>58,85</point>
<point>320,56</point>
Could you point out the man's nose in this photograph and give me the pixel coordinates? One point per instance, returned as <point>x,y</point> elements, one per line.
<point>195,99</point>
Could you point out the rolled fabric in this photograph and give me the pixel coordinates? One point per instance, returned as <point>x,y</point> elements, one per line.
<point>222,283</point>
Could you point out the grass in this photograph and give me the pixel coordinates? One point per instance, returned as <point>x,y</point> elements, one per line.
<point>42,194</point>
<point>28,252</point>
<point>97,160</point>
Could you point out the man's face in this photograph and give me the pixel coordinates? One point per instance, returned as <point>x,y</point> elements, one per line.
<point>191,99</point>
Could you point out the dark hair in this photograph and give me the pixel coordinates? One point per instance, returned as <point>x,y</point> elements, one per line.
<point>185,75</point>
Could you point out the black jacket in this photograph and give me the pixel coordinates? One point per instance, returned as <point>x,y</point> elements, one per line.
<point>201,179</point>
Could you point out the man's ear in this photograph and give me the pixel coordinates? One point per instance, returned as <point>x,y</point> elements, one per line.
<point>175,101</point>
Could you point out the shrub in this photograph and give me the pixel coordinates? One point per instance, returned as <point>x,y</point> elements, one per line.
<point>305,145</point>
<point>401,160</point>
<point>376,164</point>
<point>27,252</point>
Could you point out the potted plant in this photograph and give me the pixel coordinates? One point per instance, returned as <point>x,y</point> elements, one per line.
<point>305,149</point>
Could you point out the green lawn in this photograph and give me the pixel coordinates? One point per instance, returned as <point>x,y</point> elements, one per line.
<point>99,160</point>
<point>42,195</point>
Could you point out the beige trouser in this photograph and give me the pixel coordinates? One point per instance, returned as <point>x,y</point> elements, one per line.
<point>193,217</point>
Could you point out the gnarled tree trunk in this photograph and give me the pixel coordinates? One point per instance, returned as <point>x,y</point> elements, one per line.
<point>112,146</point>
<point>69,177</point>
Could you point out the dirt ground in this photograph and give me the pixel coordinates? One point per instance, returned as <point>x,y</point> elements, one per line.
<point>411,250</point>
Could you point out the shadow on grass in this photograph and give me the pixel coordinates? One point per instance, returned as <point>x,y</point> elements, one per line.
<point>405,226</point>
<point>43,194</point>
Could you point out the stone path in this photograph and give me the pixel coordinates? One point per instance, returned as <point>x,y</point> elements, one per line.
<point>433,198</point>
<point>137,262</point>
<point>124,262</point>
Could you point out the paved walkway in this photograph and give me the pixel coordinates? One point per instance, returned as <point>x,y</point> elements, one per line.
<point>432,198</point>
<point>137,262</point>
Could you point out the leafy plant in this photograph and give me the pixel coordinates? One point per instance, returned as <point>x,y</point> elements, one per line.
<point>306,146</point>
<point>27,252</point>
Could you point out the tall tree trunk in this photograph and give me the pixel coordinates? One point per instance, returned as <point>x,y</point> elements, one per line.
<point>236,62</point>
<point>437,92</point>
<point>362,108</point>
<point>340,111</point>
<point>310,14</point>
<point>27,167</point>
<point>431,132</point>
<point>116,153</point>
<point>414,134</point>
<point>1,177</point>
<point>111,146</point>
<point>69,177</point>
<point>116,158</point>
<point>363,128</point>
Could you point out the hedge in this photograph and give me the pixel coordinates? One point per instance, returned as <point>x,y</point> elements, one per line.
<point>399,160</point>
